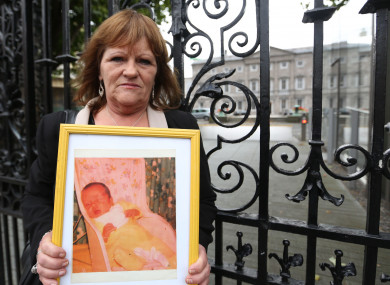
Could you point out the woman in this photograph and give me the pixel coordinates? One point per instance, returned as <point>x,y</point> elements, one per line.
<point>125,81</point>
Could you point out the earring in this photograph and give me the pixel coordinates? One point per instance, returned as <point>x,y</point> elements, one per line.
<point>153,92</point>
<point>101,89</point>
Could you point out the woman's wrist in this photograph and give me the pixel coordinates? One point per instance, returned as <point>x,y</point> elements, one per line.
<point>34,267</point>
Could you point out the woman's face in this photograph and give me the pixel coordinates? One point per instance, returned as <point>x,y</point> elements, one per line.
<point>128,75</point>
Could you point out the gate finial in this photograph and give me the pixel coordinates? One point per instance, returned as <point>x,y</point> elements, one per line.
<point>241,252</point>
<point>338,271</point>
<point>287,261</point>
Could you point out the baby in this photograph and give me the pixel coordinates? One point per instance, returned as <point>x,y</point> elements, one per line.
<point>129,246</point>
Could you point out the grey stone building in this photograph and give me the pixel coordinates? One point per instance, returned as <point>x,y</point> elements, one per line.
<point>291,77</point>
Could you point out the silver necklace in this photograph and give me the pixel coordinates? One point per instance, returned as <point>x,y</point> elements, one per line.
<point>131,125</point>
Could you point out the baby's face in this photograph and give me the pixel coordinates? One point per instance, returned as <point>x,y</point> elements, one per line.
<point>96,201</point>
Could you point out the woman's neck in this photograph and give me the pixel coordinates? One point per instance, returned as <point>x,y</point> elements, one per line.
<point>107,116</point>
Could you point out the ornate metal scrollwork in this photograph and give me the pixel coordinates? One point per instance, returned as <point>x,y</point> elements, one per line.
<point>143,4</point>
<point>213,90</point>
<point>338,271</point>
<point>241,252</point>
<point>386,163</point>
<point>13,149</point>
<point>351,161</point>
<point>5,163</point>
<point>313,177</point>
<point>196,46</point>
<point>238,167</point>
<point>287,261</point>
<point>284,157</point>
<point>211,87</point>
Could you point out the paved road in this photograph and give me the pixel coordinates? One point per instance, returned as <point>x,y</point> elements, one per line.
<point>349,214</point>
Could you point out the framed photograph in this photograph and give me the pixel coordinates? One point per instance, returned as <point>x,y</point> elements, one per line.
<point>126,205</point>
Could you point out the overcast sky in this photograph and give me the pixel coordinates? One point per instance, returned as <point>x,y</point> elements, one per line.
<point>286,27</point>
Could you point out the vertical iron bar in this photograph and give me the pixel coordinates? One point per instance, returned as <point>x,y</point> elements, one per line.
<point>66,53</point>
<point>317,76</point>
<point>2,246</point>
<point>28,77</point>
<point>113,7</point>
<point>16,246</point>
<point>46,55</point>
<point>7,248</point>
<point>262,8</point>
<point>178,48</point>
<point>316,142</point>
<point>375,179</point>
<point>338,101</point>
<point>178,60</point>
<point>218,249</point>
<point>87,20</point>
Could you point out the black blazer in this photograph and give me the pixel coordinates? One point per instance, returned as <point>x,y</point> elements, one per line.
<point>38,200</point>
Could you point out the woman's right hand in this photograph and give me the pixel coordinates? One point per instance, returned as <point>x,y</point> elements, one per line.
<point>51,261</point>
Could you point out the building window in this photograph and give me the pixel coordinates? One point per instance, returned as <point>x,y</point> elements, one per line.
<point>283,84</point>
<point>300,63</point>
<point>343,81</point>
<point>254,67</point>
<point>239,68</point>
<point>271,85</point>
<point>226,69</point>
<point>299,83</point>
<point>283,104</point>
<point>361,79</point>
<point>332,81</point>
<point>355,81</point>
<point>239,105</point>
<point>283,65</point>
<point>226,88</point>
<point>254,85</point>
<point>271,66</point>
<point>299,102</point>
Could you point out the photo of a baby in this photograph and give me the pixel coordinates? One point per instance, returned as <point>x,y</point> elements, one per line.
<point>125,226</point>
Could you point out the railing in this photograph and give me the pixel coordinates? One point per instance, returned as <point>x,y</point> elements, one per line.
<point>26,94</point>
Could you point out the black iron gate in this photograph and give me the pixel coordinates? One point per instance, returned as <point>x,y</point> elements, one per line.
<point>26,94</point>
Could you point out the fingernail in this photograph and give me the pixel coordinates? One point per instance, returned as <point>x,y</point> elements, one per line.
<point>62,272</point>
<point>65,263</point>
<point>189,281</point>
<point>62,254</point>
<point>192,271</point>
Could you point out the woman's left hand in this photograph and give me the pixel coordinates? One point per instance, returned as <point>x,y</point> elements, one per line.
<point>199,272</point>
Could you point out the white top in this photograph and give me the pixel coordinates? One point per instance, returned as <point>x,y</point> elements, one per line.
<point>156,118</point>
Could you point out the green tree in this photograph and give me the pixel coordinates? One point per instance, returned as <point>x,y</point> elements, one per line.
<point>99,12</point>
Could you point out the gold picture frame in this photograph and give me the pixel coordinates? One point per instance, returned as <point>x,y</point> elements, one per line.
<point>126,162</point>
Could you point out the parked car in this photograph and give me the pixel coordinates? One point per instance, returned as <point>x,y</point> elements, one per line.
<point>201,113</point>
<point>239,112</point>
<point>344,111</point>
